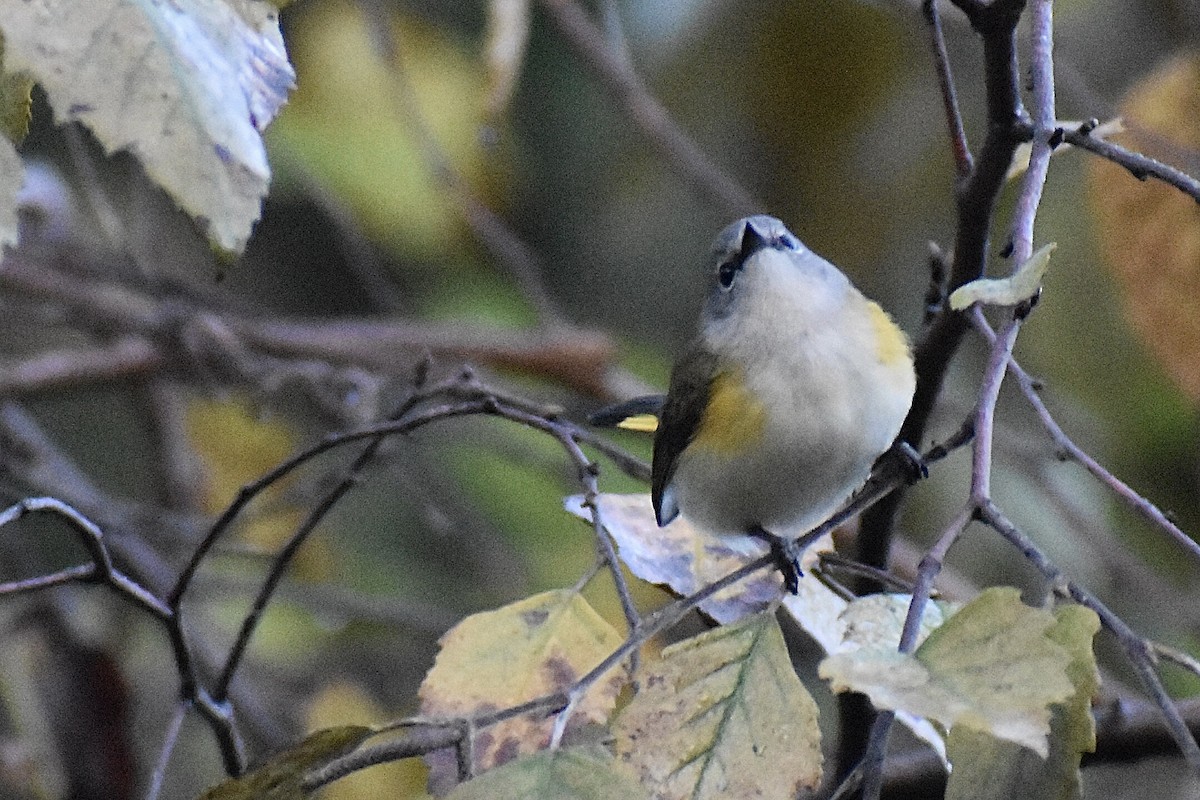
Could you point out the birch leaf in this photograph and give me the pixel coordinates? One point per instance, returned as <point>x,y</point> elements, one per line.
<point>186,87</point>
<point>501,658</point>
<point>986,767</point>
<point>723,715</point>
<point>992,667</point>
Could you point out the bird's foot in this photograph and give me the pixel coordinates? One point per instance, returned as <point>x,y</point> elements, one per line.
<point>786,553</point>
<point>909,461</point>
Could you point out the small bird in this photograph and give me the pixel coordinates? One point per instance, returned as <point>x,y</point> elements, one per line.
<point>795,384</point>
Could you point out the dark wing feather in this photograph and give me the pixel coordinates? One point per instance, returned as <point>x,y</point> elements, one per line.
<point>681,415</point>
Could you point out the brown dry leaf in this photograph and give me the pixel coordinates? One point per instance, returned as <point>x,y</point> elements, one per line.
<point>496,659</point>
<point>723,715</point>
<point>1150,232</point>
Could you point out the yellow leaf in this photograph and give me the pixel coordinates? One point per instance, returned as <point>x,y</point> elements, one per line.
<point>352,125</point>
<point>994,666</point>
<point>501,658</point>
<point>723,715</point>
<point>1150,232</point>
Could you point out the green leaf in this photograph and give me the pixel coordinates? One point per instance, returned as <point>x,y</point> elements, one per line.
<point>282,777</point>
<point>994,667</point>
<point>185,86</point>
<point>986,767</point>
<point>583,773</point>
<point>723,715</point>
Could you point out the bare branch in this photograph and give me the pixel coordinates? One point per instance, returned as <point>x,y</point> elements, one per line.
<point>1140,166</point>
<point>644,110</point>
<point>963,161</point>
<point>127,357</point>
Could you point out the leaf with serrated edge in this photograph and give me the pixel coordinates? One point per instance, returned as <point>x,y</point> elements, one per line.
<point>685,559</point>
<point>282,777</point>
<point>877,620</point>
<point>185,86</point>
<point>987,768</point>
<point>722,715</point>
<point>577,773</point>
<point>992,666</point>
<point>496,659</point>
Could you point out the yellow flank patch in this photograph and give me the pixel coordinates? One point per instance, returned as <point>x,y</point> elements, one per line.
<point>644,423</point>
<point>891,345</point>
<point>734,420</point>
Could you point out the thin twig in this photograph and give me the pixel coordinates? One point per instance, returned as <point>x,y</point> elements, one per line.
<point>1139,652</point>
<point>1069,449</point>
<point>521,262</point>
<point>963,161</point>
<point>170,739</point>
<point>1140,166</point>
<point>644,110</point>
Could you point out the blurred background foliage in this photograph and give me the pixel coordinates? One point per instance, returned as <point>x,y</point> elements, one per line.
<point>826,111</point>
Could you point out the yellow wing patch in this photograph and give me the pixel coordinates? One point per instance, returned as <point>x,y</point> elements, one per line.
<point>734,420</point>
<point>643,423</point>
<point>891,344</point>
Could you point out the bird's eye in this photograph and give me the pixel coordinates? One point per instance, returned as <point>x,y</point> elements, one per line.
<point>790,242</point>
<point>725,273</point>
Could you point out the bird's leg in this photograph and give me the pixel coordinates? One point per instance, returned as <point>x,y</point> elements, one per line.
<point>907,459</point>
<point>787,556</point>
